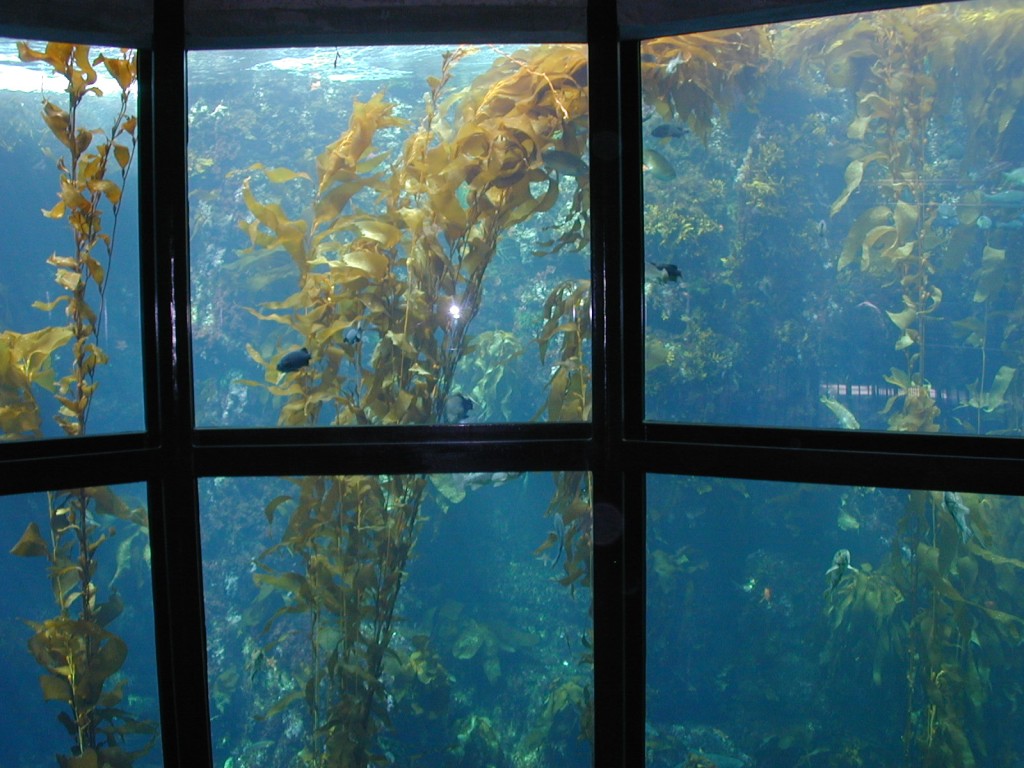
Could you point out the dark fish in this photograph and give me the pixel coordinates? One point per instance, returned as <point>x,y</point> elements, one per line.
<point>667,273</point>
<point>668,131</point>
<point>566,163</point>
<point>456,408</point>
<point>294,360</point>
<point>353,334</point>
<point>960,512</point>
<point>658,165</point>
<point>822,229</point>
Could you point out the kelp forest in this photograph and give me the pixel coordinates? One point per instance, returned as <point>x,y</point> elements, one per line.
<point>388,249</point>
<point>834,212</point>
<point>83,533</point>
<point>833,220</point>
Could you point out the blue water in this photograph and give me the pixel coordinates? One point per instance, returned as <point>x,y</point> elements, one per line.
<point>499,631</point>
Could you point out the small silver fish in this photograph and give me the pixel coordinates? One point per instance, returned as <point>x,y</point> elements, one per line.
<point>960,512</point>
<point>846,419</point>
<point>1006,197</point>
<point>840,565</point>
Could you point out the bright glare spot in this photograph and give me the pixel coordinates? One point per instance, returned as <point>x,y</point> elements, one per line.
<point>455,311</point>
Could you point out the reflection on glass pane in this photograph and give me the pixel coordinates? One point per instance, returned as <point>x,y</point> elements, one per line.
<point>860,626</point>
<point>69,299</point>
<point>834,217</point>
<point>76,630</point>
<point>384,236</point>
<point>400,619</point>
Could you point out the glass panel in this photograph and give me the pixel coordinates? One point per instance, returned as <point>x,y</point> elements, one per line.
<point>399,619</point>
<point>797,624</point>
<point>76,630</point>
<point>70,340</point>
<point>834,221</point>
<point>388,235</point>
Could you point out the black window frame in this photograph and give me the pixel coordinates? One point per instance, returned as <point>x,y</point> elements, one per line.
<point>619,447</point>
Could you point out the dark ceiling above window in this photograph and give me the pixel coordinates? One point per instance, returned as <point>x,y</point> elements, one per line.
<point>249,23</point>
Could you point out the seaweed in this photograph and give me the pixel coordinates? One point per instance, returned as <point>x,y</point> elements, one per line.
<point>79,653</point>
<point>395,247</point>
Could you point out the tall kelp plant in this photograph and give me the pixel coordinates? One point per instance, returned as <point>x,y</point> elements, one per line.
<point>390,263</point>
<point>944,605</point>
<point>81,657</point>
<point>891,72</point>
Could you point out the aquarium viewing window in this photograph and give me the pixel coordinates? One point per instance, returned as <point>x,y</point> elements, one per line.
<point>345,641</point>
<point>389,235</point>
<point>77,627</point>
<point>766,599</point>
<point>832,213</point>
<point>510,383</point>
<point>69,293</point>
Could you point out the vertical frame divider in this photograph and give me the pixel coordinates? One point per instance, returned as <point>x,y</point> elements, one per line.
<point>611,521</point>
<point>631,364</point>
<point>173,503</point>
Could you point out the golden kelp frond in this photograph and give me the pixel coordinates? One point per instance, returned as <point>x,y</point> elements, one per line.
<point>341,160</point>
<point>567,320</point>
<point>25,360</point>
<point>687,77</point>
<point>572,506</point>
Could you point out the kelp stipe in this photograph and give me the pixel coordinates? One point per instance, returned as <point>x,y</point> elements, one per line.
<point>81,656</point>
<point>397,246</point>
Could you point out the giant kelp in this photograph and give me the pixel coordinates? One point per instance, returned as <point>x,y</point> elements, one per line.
<point>80,655</point>
<point>390,261</point>
<point>932,602</point>
<point>901,71</point>
<point>900,132</point>
<point>402,253</point>
<point>696,78</point>
<point>84,184</point>
<point>891,66</point>
<point>945,609</point>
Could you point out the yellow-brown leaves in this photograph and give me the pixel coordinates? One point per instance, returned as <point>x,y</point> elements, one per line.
<point>287,234</point>
<point>83,187</point>
<point>25,360</point>
<point>395,261</point>
<point>124,70</point>
<point>567,319</point>
<point>688,76</point>
<point>340,161</point>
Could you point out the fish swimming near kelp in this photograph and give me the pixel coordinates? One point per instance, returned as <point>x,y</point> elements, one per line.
<point>294,361</point>
<point>846,419</point>
<point>954,504</point>
<point>1006,197</point>
<point>665,273</point>
<point>668,131</point>
<point>457,407</point>
<point>566,163</point>
<point>840,567</point>
<point>658,165</point>
<point>1014,178</point>
<point>353,334</point>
